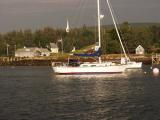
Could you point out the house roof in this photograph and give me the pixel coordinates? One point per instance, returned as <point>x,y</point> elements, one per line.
<point>53,45</point>
<point>43,50</point>
<point>32,49</point>
<point>139,47</point>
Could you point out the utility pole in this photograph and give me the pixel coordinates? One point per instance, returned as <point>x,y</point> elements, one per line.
<point>62,45</point>
<point>15,48</point>
<point>61,41</point>
<point>7,49</point>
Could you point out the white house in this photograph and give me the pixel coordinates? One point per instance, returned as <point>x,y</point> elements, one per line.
<point>44,52</point>
<point>140,50</point>
<point>27,52</point>
<point>31,52</point>
<point>54,48</point>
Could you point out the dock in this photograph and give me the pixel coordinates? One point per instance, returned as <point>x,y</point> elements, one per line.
<point>156,59</point>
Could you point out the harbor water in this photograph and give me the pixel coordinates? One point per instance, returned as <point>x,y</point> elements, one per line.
<point>35,93</point>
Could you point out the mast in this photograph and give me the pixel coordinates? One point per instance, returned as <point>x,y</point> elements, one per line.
<point>99,26</point>
<point>117,30</point>
<point>99,23</point>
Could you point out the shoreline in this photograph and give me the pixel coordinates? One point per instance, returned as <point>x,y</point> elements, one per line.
<point>46,61</point>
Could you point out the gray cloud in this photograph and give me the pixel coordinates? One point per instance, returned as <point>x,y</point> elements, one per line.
<point>22,14</point>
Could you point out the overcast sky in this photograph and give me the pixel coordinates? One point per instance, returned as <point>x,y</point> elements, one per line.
<point>34,14</point>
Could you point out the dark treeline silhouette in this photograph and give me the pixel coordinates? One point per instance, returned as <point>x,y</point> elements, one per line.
<point>132,36</point>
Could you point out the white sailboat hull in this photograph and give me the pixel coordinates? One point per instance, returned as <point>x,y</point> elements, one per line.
<point>89,69</point>
<point>131,64</point>
<point>134,65</point>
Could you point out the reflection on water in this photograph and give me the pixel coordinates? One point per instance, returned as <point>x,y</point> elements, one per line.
<point>133,72</point>
<point>88,77</point>
<point>132,95</point>
<point>35,93</point>
<point>145,71</point>
<point>127,74</point>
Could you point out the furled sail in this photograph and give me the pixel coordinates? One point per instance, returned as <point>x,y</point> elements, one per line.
<point>95,54</point>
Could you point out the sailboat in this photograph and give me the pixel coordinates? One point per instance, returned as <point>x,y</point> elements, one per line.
<point>98,67</point>
<point>125,61</point>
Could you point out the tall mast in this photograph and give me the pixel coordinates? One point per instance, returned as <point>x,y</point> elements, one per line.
<point>99,23</point>
<point>117,30</point>
<point>99,26</point>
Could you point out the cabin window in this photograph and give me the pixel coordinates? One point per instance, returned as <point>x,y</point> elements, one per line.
<point>85,65</point>
<point>93,65</point>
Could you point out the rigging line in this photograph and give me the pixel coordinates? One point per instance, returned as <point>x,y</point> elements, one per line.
<point>95,28</point>
<point>119,29</point>
<point>115,25</point>
<point>77,12</point>
<point>83,11</point>
<point>122,37</point>
<point>77,7</point>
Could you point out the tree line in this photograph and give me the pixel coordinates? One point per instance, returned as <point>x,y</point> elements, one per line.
<point>132,36</point>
